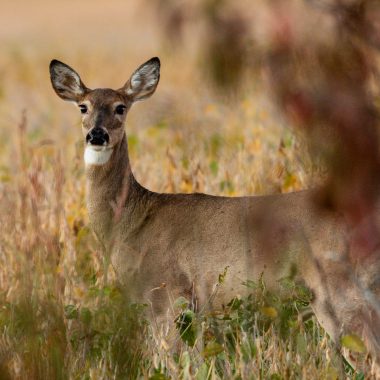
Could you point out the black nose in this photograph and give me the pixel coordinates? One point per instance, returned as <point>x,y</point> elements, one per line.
<point>97,136</point>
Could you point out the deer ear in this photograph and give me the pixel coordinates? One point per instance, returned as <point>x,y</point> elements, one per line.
<point>143,82</point>
<point>66,82</point>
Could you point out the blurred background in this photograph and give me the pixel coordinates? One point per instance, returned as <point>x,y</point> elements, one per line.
<point>207,117</point>
<point>255,97</point>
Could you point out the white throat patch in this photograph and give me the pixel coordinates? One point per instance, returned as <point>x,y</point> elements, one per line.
<point>97,155</point>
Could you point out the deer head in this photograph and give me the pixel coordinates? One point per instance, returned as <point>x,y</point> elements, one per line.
<point>103,110</point>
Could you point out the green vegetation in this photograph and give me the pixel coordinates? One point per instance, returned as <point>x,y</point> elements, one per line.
<point>62,314</point>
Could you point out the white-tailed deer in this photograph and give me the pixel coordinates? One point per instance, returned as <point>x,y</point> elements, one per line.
<point>178,244</point>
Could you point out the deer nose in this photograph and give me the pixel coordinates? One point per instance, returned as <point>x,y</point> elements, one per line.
<point>97,136</point>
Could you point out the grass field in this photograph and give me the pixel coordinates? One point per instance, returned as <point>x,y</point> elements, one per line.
<point>61,312</point>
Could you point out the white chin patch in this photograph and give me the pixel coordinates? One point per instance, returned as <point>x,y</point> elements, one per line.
<point>97,155</point>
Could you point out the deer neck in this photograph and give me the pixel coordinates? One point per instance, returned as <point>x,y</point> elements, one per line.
<point>112,192</point>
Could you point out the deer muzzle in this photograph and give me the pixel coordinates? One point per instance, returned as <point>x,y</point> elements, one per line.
<point>97,151</point>
<point>97,136</point>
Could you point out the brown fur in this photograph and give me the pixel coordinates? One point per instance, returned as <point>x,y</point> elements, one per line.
<point>177,244</point>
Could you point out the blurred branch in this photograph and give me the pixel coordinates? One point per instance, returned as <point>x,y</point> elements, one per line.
<point>360,18</point>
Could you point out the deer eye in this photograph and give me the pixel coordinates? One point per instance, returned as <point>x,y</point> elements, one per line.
<point>120,109</point>
<point>83,108</point>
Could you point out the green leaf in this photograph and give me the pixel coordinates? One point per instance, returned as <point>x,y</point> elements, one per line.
<point>71,312</point>
<point>353,343</point>
<point>215,143</point>
<point>214,167</point>
<point>181,303</point>
<point>85,315</point>
<point>158,376</point>
<point>212,349</point>
<point>332,373</point>
<point>301,344</point>
<point>162,124</point>
<point>227,185</point>
<point>235,303</point>
<point>187,327</point>
<point>359,376</point>
<point>202,373</point>
<point>223,275</point>
<point>269,311</point>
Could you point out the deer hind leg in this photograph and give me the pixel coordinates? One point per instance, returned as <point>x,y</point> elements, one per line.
<point>342,306</point>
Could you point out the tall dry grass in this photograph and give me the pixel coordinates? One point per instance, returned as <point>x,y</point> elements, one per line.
<point>62,314</point>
